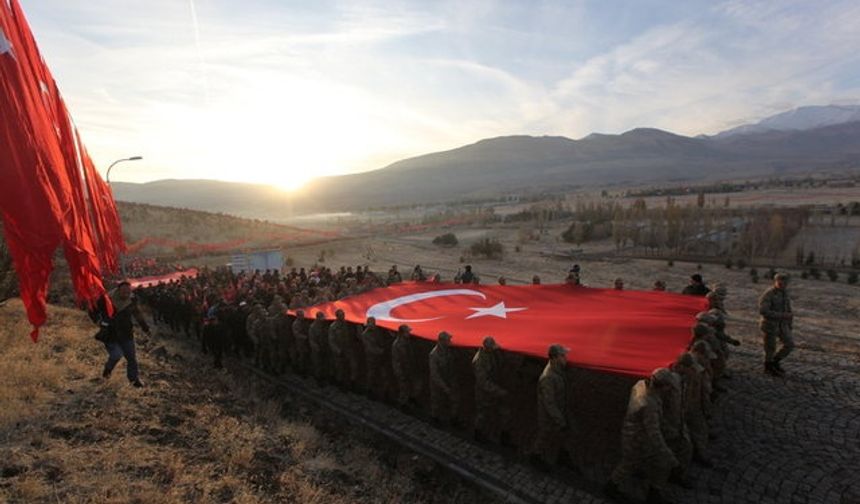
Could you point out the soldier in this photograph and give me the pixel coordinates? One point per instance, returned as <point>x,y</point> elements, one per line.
<point>619,284</point>
<point>705,356</point>
<point>646,459</point>
<point>490,397</point>
<point>536,280</point>
<point>301,346</point>
<point>697,286</point>
<point>318,340</point>
<point>552,419</point>
<point>251,326</point>
<point>338,332</point>
<point>267,337</point>
<point>403,365</point>
<point>279,334</point>
<point>659,286</point>
<point>394,275</point>
<point>674,426</point>
<point>374,354</point>
<point>717,297</point>
<point>776,322</point>
<point>706,330</point>
<point>692,375</point>
<point>444,390</point>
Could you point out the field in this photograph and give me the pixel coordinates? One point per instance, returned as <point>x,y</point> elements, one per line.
<point>192,435</point>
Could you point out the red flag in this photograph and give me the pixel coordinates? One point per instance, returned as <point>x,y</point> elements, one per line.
<point>43,197</point>
<point>625,332</point>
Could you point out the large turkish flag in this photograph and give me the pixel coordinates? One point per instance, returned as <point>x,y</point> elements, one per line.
<point>50,193</point>
<point>626,332</point>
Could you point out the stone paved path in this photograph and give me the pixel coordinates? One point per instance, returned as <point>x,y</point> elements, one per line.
<point>793,440</point>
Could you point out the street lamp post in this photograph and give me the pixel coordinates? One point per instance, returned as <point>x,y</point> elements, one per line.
<point>133,158</point>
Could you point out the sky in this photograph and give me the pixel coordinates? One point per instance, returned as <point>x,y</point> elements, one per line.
<point>280,91</point>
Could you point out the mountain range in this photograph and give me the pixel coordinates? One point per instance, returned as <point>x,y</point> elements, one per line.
<point>804,140</point>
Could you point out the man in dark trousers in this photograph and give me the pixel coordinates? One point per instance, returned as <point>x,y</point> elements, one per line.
<point>118,332</point>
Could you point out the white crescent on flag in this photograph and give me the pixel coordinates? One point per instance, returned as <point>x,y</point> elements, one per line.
<point>382,311</point>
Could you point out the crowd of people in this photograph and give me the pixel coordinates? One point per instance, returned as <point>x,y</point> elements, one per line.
<point>666,424</point>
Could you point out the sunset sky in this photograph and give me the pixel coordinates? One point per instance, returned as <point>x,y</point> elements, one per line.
<point>277,92</point>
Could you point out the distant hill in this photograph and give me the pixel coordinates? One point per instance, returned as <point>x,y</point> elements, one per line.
<point>525,163</point>
<point>799,119</point>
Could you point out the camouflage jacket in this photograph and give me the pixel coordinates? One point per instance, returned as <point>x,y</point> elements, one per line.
<point>552,396</point>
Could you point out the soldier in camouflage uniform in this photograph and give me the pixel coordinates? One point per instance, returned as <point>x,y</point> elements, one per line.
<point>491,409</point>
<point>706,330</point>
<point>553,419</point>
<point>258,313</point>
<point>444,390</point>
<point>301,346</point>
<point>337,336</point>
<point>776,322</point>
<point>268,336</point>
<point>281,330</point>
<point>374,353</point>
<point>646,460</point>
<point>674,426</point>
<point>318,340</point>
<point>692,375</point>
<point>403,366</point>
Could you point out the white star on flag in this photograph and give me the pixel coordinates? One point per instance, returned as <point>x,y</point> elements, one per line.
<point>499,310</point>
<point>5,45</point>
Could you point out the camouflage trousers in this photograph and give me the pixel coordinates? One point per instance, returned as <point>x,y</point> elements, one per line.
<point>408,387</point>
<point>300,355</point>
<point>318,363</point>
<point>548,442</point>
<point>698,428</point>
<point>374,378</point>
<point>444,405</point>
<point>682,447</point>
<point>491,415</point>
<point>783,334</point>
<point>637,472</point>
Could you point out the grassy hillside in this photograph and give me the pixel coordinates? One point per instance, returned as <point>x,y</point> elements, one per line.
<point>192,435</point>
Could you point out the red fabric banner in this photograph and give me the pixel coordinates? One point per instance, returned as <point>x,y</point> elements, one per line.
<point>44,200</point>
<point>624,332</point>
<point>155,280</point>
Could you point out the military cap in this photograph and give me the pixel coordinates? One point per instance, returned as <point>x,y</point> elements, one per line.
<point>662,376</point>
<point>781,276</point>
<point>703,347</point>
<point>404,328</point>
<point>489,343</point>
<point>702,330</point>
<point>444,336</point>
<point>556,350</point>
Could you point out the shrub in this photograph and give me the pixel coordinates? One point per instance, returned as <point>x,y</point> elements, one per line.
<point>487,248</point>
<point>832,275</point>
<point>670,262</point>
<point>729,263</point>
<point>754,275</point>
<point>804,274</point>
<point>815,273</point>
<point>446,240</point>
<point>741,264</point>
<point>852,277</point>
<point>699,267</point>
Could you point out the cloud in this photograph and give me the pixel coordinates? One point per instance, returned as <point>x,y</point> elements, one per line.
<point>328,87</point>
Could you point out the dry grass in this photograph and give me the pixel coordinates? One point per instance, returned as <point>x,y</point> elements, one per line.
<point>192,435</point>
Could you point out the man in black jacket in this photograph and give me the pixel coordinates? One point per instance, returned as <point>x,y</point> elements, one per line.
<point>119,336</point>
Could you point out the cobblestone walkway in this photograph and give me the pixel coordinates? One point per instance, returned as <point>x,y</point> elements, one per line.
<point>793,440</point>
